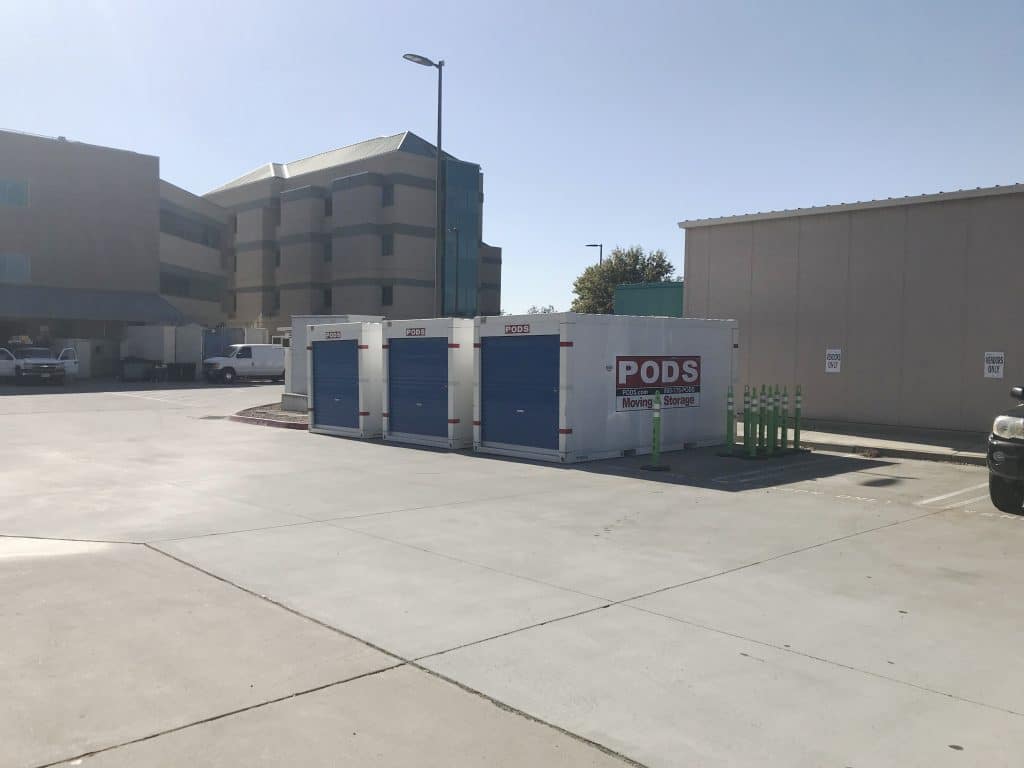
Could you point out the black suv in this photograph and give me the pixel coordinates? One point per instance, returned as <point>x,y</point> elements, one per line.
<point>1006,458</point>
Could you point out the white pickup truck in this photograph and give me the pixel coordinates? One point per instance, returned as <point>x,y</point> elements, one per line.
<point>32,362</point>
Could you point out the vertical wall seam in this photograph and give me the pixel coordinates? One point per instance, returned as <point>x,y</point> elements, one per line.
<point>707,273</point>
<point>796,303</point>
<point>903,315</point>
<point>844,387</point>
<point>965,317</point>
<point>750,300</point>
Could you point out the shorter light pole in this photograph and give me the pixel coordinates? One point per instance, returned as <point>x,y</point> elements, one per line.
<point>600,253</point>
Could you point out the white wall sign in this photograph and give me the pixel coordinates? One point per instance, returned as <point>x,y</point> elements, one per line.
<point>833,360</point>
<point>994,362</point>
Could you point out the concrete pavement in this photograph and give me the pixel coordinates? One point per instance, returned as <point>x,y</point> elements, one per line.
<point>818,610</point>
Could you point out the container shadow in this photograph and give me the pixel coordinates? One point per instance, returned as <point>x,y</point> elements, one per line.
<point>706,468</point>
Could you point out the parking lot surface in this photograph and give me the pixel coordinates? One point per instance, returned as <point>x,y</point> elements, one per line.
<point>183,589</point>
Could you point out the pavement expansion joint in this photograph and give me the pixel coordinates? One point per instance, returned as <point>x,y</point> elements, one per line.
<point>526,715</point>
<point>222,715</point>
<point>469,562</point>
<point>277,603</point>
<point>65,538</point>
<point>822,659</point>
<point>401,662</point>
<point>780,556</point>
<point>415,662</point>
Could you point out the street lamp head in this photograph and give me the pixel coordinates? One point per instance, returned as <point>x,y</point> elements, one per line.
<point>594,245</point>
<point>415,58</point>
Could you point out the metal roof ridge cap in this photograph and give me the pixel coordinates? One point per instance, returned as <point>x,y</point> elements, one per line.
<point>890,202</point>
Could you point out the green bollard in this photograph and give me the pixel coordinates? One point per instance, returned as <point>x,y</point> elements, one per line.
<point>776,419</point>
<point>785,418</point>
<point>750,428</point>
<point>656,465</point>
<point>770,433</point>
<point>761,424</point>
<point>796,418</point>
<point>730,420</point>
<point>747,418</point>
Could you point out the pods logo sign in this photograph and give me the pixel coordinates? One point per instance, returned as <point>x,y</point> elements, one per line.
<point>638,377</point>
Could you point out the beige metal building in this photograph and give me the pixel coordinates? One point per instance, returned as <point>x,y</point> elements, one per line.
<point>918,299</point>
<point>352,231</point>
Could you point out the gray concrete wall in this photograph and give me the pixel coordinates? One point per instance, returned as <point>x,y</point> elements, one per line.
<point>91,221</point>
<point>914,295</point>
<point>490,280</point>
<point>197,261</point>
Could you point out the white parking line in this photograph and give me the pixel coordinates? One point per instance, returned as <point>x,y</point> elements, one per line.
<point>965,503</point>
<point>933,499</point>
<point>147,397</point>
<point>757,474</point>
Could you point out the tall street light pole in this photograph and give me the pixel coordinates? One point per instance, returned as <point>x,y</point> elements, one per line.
<point>439,186</point>
<point>600,253</point>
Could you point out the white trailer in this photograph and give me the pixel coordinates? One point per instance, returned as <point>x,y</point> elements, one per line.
<point>149,342</point>
<point>167,344</point>
<point>567,387</point>
<point>344,371</point>
<point>428,382</point>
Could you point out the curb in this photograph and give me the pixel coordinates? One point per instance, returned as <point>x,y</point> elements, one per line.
<point>267,422</point>
<point>970,458</point>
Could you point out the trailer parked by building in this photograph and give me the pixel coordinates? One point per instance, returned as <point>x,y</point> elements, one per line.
<point>178,350</point>
<point>344,371</point>
<point>567,387</point>
<point>428,381</point>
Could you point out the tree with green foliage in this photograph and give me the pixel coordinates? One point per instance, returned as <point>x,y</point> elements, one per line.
<point>595,288</point>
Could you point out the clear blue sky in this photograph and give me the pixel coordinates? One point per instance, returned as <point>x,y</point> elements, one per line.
<point>594,121</point>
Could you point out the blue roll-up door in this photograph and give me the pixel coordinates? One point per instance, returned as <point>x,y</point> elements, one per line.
<point>418,386</point>
<point>336,383</point>
<point>519,390</point>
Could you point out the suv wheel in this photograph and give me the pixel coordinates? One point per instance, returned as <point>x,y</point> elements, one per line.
<point>1006,495</point>
<point>228,376</point>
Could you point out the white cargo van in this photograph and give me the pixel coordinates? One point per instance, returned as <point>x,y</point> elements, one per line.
<point>246,361</point>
